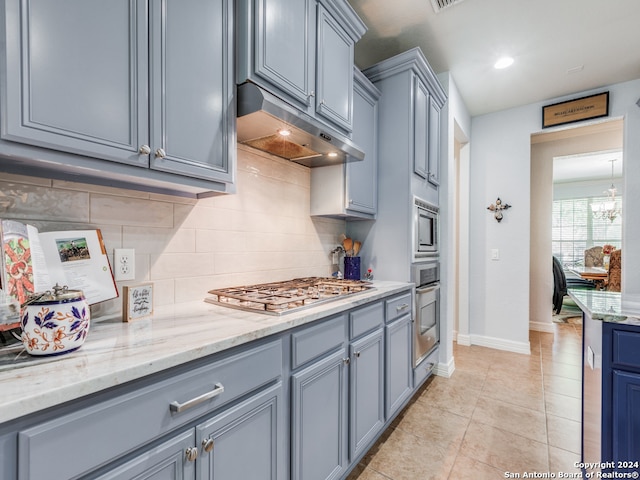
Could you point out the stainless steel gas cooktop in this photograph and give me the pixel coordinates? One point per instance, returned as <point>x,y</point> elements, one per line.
<point>288,296</point>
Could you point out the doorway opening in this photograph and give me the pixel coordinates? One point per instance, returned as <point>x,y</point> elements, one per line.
<point>606,136</point>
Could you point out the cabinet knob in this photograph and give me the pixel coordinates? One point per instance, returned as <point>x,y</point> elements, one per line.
<point>191,454</point>
<point>207,444</point>
<point>145,149</point>
<point>311,94</point>
<point>160,153</point>
<point>322,102</point>
<point>357,354</point>
<point>346,361</point>
<point>351,201</point>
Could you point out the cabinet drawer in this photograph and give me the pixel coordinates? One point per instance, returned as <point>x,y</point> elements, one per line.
<point>366,319</point>
<point>425,369</point>
<point>398,306</point>
<point>84,439</point>
<point>626,348</point>
<point>312,342</point>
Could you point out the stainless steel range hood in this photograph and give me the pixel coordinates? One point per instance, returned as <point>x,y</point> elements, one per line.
<point>262,115</point>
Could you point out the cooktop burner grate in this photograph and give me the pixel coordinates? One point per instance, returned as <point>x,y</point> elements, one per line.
<point>286,296</point>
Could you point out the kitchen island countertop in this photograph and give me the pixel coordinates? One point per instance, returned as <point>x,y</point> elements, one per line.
<point>603,305</point>
<point>117,352</point>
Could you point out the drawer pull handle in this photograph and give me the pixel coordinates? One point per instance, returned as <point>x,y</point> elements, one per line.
<point>191,454</point>
<point>207,445</point>
<point>401,307</point>
<point>144,149</point>
<point>176,407</point>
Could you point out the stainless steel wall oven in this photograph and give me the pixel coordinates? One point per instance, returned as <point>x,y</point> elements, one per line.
<point>426,276</point>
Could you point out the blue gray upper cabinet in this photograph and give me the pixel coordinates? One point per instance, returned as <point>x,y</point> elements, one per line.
<point>420,127</point>
<point>302,51</point>
<point>144,83</point>
<point>433,170</point>
<point>350,191</point>
<point>426,132</point>
<point>413,95</point>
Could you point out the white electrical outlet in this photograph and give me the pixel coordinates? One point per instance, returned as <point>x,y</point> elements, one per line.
<point>124,260</point>
<point>495,254</point>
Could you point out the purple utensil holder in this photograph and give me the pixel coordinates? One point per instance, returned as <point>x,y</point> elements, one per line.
<point>352,268</point>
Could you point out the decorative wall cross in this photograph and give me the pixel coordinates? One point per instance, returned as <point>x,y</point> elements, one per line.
<point>498,208</point>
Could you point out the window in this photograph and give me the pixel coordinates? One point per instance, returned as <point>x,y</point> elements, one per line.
<point>574,229</point>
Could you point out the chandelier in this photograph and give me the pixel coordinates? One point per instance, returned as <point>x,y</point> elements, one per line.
<point>608,208</point>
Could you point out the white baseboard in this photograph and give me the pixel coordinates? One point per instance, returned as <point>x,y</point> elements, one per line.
<point>541,327</point>
<point>463,340</point>
<point>501,344</point>
<point>445,369</point>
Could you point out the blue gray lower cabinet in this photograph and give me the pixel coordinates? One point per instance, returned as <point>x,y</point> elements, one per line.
<point>319,418</point>
<point>611,395</point>
<point>165,461</point>
<point>621,396</point>
<point>305,404</point>
<point>399,361</point>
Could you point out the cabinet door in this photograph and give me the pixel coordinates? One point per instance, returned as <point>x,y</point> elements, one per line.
<point>434,142</point>
<point>285,46</point>
<point>421,107</point>
<point>245,442</point>
<point>192,105</point>
<point>319,419</point>
<point>334,99</point>
<point>626,417</point>
<point>76,77</point>
<point>167,461</point>
<point>399,364</point>
<point>366,391</point>
<point>362,177</point>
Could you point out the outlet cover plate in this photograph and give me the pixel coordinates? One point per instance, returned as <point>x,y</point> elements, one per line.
<point>124,264</point>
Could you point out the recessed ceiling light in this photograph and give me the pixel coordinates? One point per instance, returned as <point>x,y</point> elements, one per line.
<point>332,154</point>
<point>284,132</point>
<point>503,62</point>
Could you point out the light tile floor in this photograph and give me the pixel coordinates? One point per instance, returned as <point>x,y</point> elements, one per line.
<point>500,412</point>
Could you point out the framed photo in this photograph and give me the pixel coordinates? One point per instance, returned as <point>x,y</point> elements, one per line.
<point>138,301</point>
<point>585,108</point>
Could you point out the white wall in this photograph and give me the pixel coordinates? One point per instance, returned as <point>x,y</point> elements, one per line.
<point>458,122</point>
<point>631,200</point>
<point>500,166</point>
<point>186,247</point>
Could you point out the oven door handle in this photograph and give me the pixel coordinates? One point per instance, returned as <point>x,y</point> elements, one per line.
<point>428,289</point>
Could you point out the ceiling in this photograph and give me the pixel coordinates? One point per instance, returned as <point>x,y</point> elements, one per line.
<point>586,167</point>
<point>560,47</point>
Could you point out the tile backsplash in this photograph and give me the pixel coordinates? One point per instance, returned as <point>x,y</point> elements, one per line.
<point>185,247</point>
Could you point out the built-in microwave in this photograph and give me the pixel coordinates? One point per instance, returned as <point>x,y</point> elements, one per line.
<point>426,229</point>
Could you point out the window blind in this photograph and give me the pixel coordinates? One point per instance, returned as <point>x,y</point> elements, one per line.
<point>574,229</point>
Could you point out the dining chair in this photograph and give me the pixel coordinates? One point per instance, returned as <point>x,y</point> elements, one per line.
<point>593,257</point>
<point>561,283</point>
<point>614,278</point>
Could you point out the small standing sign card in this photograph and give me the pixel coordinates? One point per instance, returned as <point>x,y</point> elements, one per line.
<point>138,301</point>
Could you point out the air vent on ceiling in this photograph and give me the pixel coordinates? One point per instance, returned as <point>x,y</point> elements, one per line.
<point>442,4</point>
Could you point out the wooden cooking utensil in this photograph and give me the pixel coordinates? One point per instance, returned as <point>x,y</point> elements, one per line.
<point>356,248</point>
<point>347,244</point>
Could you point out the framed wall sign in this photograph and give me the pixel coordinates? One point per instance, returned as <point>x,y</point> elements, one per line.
<point>138,301</point>
<point>585,108</point>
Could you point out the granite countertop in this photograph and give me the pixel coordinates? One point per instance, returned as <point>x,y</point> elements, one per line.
<point>603,305</point>
<point>117,352</point>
